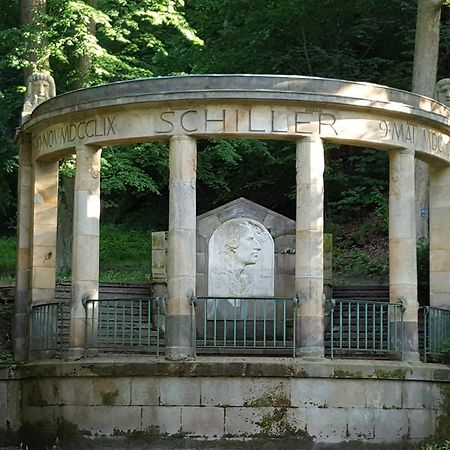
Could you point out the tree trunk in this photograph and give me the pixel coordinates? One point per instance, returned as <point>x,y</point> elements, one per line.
<point>426,51</point>
<point>66,191</point>
<point>28,10</point>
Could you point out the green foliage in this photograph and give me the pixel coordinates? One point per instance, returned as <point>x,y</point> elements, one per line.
<point>423,263</point>
<point>356,262</point>
<point>7,258</point>
<point>132,39</point>
<point>124,254</point>
<point>370,40</point>
<point>6,358</point>
<point>436,446</point>
<point>262,171</point>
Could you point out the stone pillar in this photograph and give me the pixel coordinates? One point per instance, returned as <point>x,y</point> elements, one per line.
<point>402,246</point>
<point>309,247</point>
<point>43,234</point>
<point>440,237</point>
<point>85,250</point>
<point>23,265</point>
<point>182,245</point>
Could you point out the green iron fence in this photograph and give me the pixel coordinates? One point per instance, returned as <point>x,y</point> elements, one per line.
<point>47,327</point>
<point>436,332</point>
<point>365,328</point>
<point>125,325</point>
<point>263,325</point>
<point>355,328</point>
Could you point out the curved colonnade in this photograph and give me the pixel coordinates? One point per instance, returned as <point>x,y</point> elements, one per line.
<point>309,111</point>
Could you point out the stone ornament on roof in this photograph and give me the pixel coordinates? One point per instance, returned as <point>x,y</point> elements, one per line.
<point>443,91</point>
<point>40,87</point>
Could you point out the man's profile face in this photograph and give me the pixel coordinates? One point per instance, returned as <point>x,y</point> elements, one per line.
<point>249,246</point>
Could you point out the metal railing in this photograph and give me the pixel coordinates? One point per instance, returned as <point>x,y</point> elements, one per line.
<point>436,332</point>
<point>263,325</point>
<point>125,325</point>
<point>47,327</point>
<point>365,328</point>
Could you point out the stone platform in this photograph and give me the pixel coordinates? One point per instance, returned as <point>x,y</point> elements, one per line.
<point>309,400</point>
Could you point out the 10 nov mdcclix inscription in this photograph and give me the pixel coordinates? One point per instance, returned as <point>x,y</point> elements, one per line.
<point>253,120</point>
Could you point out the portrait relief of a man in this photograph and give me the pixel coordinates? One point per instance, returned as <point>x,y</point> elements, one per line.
<point>241,260</point>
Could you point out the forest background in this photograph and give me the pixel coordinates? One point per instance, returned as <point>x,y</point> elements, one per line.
<point>84,43</point>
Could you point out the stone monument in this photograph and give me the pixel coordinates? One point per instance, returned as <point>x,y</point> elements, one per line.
<point>40,87</point>
<point>240,260</point>
<point>443,91</point>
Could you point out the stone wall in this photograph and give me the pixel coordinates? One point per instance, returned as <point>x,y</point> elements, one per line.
<point>326,401</point>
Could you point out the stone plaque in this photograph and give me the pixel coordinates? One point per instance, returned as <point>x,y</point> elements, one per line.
<point>241,260</point>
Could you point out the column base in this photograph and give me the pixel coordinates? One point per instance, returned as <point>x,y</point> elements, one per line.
<point>76,353</point>
<point>310,352</point>
<point>21,349</point>
<point>310,337</point>
<point>179,337</point>
<point>411,356</point>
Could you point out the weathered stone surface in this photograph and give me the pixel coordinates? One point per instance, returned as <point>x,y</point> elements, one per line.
<point>162,419</point>
<point>103,420</point>
<point>245,421</point>
<point>390,425</point>
<point>345,393</point>
<point>422,423</point>
<point>203,422</point>
<point>145,391</point>
<point>180,391</point>
<point>327,424</point>
<point>308,393</point>
<point>360,424</point>
<point>383,394</point>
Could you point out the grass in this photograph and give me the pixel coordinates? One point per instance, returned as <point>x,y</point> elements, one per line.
<point>125,255</point>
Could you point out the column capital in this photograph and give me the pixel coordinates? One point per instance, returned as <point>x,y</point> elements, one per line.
<point>311,138</point>
<point>407,151</point>
<point>23,139</point>
<point>182,137</point>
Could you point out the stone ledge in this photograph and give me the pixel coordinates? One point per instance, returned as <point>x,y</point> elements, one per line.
<point>124,366</point>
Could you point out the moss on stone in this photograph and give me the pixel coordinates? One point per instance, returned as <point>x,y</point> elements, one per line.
<point>443,420</point>
<point>109,398</point>
<point>347,374</point>
<point>399,374</point>
<point>35,397</point>
<point>276,424</point>
<point>271,398</point>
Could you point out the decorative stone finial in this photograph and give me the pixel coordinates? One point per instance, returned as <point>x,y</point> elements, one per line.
<point>40,87</point>
<point>443,91</point>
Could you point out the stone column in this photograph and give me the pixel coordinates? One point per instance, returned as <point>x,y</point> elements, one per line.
<point>23,265</point>
<point>440,237</point>
<point>309,247</point>
<point>85,250</point>
<point>43,234</point>
<point>182,244</point>
<point>402,246</point>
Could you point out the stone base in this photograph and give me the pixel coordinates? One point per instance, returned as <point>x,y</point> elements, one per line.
<point>211,398</point>
<point>411,356</point>
<point>76,353</point>
<point>179,337</point>
<point>313,352</point>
